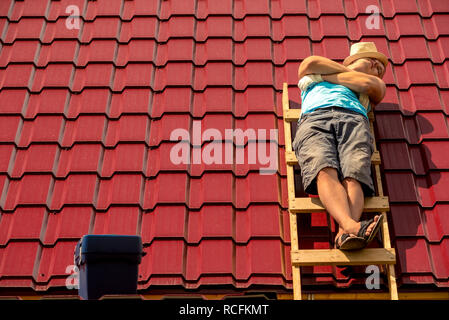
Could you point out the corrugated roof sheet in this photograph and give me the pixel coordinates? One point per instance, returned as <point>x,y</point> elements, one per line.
<point>86,116</point>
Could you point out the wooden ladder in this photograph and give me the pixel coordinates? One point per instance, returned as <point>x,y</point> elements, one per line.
<point>315,257</point>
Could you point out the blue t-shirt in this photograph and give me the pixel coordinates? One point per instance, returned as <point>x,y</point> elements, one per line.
<point>326,94</point>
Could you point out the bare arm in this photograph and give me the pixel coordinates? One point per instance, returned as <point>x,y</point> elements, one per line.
<point>320,65</point>
<point>359,82</point>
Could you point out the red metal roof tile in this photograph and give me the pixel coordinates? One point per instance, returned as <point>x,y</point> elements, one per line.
<point>117,220</point>
<point>213,99</point>
<point>440,258</point>
<point>409,48</point>
<point>159,159</point>
<point>85,128</point>
<point>9,126</point>
<point>120,189</point>
<point>404,25</point>
<point>258,221</point>
<point>29,28</point>
<point>291,49</point>
<point>416,72</point>
<point>58,8</point>
<point>174,28</point>
<point>60,225</point>
<point>18,259</point>
<point>164,257</point>
<point>97,9</point>
<point>137,50</point>
<point>290,26</point>
<point>123,158</point>
<point>133,75</point>
<point>211,188</point>
<point>127,128</point>
<point>214,26</point>
<point>213,49</point>
<point>173,74</point>
<point>211,221</point>
<point>165,188</point>
<point>256,188</point>
<point>139,8</point>
<point>37,158</point>
<point>90,100</point>
<point>243,8</point>
<point>212,74</point>
<point>254,99</point>
<point>165,222</point>
<point>19,51</point>
<point>413,255</point>
<point>6,151</point>
<point>436,222</point>
<point>249,261</point>
<point>13,100</point>
<point>433,188</point>
<point>209,257</point>
<point>57,30</point>
<point>54,75</point>
<point>442,75</point>
<point>58,51</point>
<point>420,98</point>
<point>169,8</point>
<point>76,189</point>
<point>251,26</point>
<point>48,101</point>
<point>401,187</point>
<point>391,8</point>
<point>175,50</point>
<point>24,223</point>
<point>317,8</point>
<point>56,261</point>
<point>253,73</point>
<point>408,220</point>
<point>334,48</point>
<point>161,129</point>
<point>79,158</point>
<point>131,100</point>
<point>252,49</point>
<point>41,129</point>
<point>94,75</point>
<point>95,51</point>
<point>30,189</point>
<point>106,28</point>
<point>16,76</point>
<point>330,26</point>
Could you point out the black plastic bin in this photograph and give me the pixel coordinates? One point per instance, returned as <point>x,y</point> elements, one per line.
<point>108,264</point>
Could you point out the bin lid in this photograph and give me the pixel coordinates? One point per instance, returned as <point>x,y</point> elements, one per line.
<point>110,243</point>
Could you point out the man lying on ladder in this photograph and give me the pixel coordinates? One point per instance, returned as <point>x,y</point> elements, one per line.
<point>333,142</point>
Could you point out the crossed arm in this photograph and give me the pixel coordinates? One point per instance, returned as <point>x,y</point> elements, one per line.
<point>334,72</point>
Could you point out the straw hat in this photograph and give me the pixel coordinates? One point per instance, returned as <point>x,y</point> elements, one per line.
<point>365,50</point>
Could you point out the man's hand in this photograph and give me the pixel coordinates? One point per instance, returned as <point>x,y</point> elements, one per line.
<point>360,82</point>
<point>320,65</point>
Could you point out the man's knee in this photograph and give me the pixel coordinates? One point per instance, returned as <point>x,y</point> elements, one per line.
<point>327,173</point>
<point>351,182</point>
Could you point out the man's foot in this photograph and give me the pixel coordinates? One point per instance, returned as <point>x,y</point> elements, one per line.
<point>349,242</point>
<point>355,228</point>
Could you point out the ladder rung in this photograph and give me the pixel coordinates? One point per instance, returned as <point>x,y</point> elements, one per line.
<point>367,256</point>
<point>306,205</point>
<point>292,115</point>
<point>291,160</point>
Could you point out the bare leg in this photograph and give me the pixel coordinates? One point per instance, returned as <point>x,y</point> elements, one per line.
<point>335,199</point>
<point>356,202</point>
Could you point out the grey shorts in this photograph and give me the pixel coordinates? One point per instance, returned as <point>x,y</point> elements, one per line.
<point>338,138</point>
